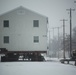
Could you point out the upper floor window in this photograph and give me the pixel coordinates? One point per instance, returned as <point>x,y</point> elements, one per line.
<point>6,23</point>
<point>6,39</point>
<point>35,23</point>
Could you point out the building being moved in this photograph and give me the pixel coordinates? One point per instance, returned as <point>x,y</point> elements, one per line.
<point>23,30</point>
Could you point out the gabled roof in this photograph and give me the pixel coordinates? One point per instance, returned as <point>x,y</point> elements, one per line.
<point>23,8</point>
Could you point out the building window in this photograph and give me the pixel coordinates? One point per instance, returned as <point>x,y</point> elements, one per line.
<point>35,23</point>
<point>36,39</point>
<point>6,23</point>
<point>6,39</point>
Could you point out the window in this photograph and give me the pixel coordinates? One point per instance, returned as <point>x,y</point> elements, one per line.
<point>6,39</point>
<point>36,39</point>
<point>36,23</point>
<point>6,23</point>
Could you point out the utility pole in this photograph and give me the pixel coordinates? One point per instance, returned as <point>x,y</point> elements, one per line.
<point>53,36</point>
<point>58,36</point>
<point>58,39</point>
<point>49,39</point>
<point>49,42</point>
<point>70,10</point>
<point>58,32</point>
<point>53,31</point>
<point>63,37</point>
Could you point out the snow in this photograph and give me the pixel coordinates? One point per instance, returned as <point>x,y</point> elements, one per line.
<point>51,59</point>
<point>36,68</point>
<point>51,66</point>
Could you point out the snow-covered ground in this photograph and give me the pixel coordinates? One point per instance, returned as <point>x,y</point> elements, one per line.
<point>51,66</point>
<point>36,68</point>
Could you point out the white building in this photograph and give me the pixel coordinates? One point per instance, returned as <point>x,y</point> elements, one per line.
<point>22,29</point>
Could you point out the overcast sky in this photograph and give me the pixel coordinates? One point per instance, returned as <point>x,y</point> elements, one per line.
<point>55,10</point>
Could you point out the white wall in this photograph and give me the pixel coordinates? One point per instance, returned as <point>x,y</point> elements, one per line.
<point>21,30</point>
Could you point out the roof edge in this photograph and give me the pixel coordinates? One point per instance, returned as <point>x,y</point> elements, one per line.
<point>24,8</point>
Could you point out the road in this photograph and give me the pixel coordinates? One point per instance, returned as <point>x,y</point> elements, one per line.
<point>36,68</point>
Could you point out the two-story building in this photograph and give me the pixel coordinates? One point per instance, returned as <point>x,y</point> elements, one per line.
<point>23,30</point>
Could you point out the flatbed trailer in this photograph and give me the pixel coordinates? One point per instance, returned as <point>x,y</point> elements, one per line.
<point>26,55</point>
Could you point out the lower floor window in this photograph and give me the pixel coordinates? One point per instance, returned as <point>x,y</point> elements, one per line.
<point>6,39</point>
<point>36,39</point>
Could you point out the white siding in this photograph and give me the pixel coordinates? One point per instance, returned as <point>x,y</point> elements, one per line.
<point>21,31</point>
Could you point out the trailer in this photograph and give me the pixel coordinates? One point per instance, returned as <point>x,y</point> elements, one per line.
<point>25,55</point>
